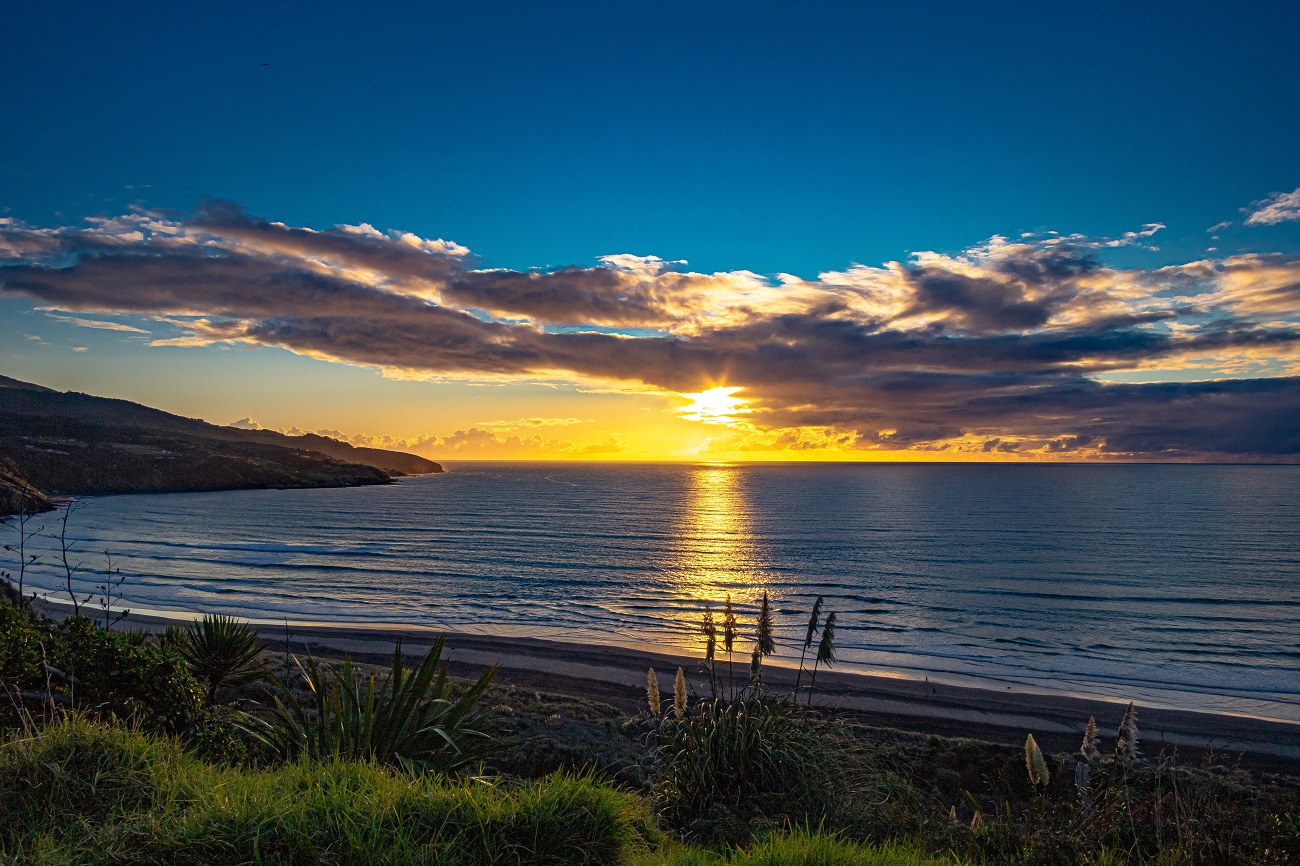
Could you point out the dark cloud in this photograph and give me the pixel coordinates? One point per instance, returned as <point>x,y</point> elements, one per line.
<point>997,348</point>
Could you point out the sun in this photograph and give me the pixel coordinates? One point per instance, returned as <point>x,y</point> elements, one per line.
<point>714,406</point>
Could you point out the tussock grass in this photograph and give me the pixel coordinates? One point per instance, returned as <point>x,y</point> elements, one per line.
<point>78,793</point>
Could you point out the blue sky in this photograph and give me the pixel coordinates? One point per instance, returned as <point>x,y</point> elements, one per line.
<point>745,139</point>
<point>762,136</point>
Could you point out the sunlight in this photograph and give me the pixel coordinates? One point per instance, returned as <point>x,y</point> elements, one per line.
<point>715,406</point>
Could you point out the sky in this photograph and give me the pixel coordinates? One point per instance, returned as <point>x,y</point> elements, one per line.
<point>922,231</point>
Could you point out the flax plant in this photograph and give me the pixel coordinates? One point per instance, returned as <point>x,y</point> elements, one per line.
<point>411,719</point>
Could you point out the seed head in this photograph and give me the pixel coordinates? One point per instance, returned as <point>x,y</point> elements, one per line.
<point>1090,741</point>
<point>652,691</point>
<point>679,694</point>
<point>1035,763</point>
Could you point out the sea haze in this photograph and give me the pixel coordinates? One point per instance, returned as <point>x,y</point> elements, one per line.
<point>1176,585</point>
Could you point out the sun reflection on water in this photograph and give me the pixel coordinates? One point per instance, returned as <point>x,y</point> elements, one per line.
<point>715,553</point>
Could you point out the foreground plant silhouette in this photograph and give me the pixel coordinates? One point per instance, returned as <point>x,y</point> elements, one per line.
<point>221,652</point>
<point>411,719</point>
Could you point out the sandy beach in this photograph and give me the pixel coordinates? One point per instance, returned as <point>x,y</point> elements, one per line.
<point>617,675</point>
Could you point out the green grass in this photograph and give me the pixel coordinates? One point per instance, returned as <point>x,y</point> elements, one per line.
<point>805,848</point>
<point>81,793</point>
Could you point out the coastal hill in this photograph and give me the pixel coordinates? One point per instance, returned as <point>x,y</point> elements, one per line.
<point>72,443</point>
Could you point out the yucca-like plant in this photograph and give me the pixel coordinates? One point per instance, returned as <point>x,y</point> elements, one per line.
<point>1035,763</point>
<point>679,694</point>
<point>1090,749</point>
<point>652,692</point>
<point>1126,746</point>
<point>814,622</point>
<point>220,651</point>
<point>412,719</point>
<point>825,651</point>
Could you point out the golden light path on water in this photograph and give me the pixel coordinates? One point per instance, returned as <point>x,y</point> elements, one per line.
<point>714,553</point>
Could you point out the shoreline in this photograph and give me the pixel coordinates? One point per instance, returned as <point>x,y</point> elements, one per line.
<point>617,674</point>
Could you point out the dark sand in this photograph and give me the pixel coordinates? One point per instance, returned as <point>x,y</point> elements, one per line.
<point>617,675</point>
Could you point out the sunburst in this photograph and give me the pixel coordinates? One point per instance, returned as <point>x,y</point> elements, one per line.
<point>715,406</point>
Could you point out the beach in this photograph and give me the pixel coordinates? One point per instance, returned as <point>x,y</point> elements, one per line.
<point>617,676</point>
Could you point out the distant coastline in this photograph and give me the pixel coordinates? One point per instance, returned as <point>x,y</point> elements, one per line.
<point>56,443</point>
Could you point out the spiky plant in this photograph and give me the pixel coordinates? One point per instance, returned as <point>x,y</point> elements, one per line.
<point>825,652</point>
<point>652,692</point>
<point>679,694</point>
<point>1126,746</point>
<point>1035,763</point>
<point>417,719</point>
<point>221,652</point>
<point>1091,741</point>
<point>813,624</point>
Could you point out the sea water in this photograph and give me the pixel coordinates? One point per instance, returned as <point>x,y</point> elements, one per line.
<point>1177,585</point>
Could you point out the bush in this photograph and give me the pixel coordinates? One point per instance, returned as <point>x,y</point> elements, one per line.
<point>110,673</point>
<point>127,675</point>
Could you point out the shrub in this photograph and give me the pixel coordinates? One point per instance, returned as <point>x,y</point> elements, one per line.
<point>127,675</point>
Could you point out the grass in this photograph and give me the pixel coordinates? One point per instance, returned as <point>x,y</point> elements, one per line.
<point>77,792</point>
<point>80,793</point>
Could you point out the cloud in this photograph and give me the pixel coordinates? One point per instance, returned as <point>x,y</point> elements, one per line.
<point>96,323</point>
<point>1018,341</point>
<point>246,424</point>
<point>1280,207</point>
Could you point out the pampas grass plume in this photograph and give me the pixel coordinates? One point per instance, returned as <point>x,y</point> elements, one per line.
<point>1035,763</point>
<point>728,626</point>
<point>766,643</point>
<point>1090,741</point>
<point>652,691</point>
<point>1127,744</point>
<point>679,694</point>
<point>710,631</point>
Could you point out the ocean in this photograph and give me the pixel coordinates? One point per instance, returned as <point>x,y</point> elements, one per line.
<point>1174,585</point>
